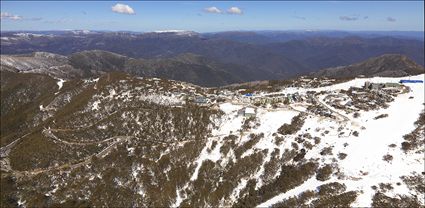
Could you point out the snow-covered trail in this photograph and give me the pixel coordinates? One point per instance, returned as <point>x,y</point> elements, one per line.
<point>48,133</point>
<point>85,161</point>
<point>343,117</point>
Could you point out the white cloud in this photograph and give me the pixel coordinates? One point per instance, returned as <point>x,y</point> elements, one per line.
<point>6,15</point>
<point>123,9</point>
<point>234,10</point>
<point>231,10</point>
<point>212,10</point>
<point>14,17</point>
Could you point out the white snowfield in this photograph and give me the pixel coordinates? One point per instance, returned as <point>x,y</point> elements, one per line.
<point>364,165</point>
<point>365,152</point>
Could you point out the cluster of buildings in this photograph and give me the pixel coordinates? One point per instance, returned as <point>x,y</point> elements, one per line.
<point>280,98</point>
<point>272,98</point>
<point>380,86</point>
<point>245,99</point>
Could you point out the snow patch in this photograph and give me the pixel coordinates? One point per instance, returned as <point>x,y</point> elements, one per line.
<point>60,83</point>
<point>213,155</point>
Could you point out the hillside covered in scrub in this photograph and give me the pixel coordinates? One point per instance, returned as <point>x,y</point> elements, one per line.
<point>116,140</point>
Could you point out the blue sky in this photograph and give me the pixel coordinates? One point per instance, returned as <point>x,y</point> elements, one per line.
<point>208,16</point>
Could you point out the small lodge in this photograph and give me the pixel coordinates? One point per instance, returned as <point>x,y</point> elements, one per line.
<point>200,100</point>
<point>247,112</point>
<point>391,84</point>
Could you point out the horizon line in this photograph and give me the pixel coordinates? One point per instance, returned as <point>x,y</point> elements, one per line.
<point>218,31</point>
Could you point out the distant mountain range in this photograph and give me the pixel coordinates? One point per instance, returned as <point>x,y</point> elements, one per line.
<point>185,67</point>
<point>264,37</point>
<point>209,59</point>
<point>319,53</point>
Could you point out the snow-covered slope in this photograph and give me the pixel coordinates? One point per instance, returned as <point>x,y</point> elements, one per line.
<point>124,141</point>
<point>364,166</point>
<point>40,62</point>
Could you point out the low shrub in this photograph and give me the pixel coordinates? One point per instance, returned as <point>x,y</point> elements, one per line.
<point>342,156</point>
<point>296,124</point>
<point>387,158</point>
<point>381,200</point>
<point>324,173</point>
<point>381,116</point>
<point>326,151</point>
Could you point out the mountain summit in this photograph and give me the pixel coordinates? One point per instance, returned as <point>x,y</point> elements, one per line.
<point>388,65</point>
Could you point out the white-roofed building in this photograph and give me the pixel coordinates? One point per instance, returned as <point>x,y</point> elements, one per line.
<point>247,112</point>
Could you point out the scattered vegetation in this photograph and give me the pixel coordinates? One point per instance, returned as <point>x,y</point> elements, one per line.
<point>342,156</point>
<point>296,124</point>
<point>300,155</point>
<point>248,123</point>
<point>381,200</point>
<point>159,161</point>
<point>415,140</point>
<point>387,158</point>
<point>254,138</point>
<point>327,195</point>
<point>8,190</point>
<point>324,173</point>
<point>369,100</point>
<point>331,189</point>
<point>326,151</point>
<point>415,182</point>
<point>296,201</point>
<point>381,116</point>
<point>290,177</point>
<point>340,200</point>
<point>384,187</point>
